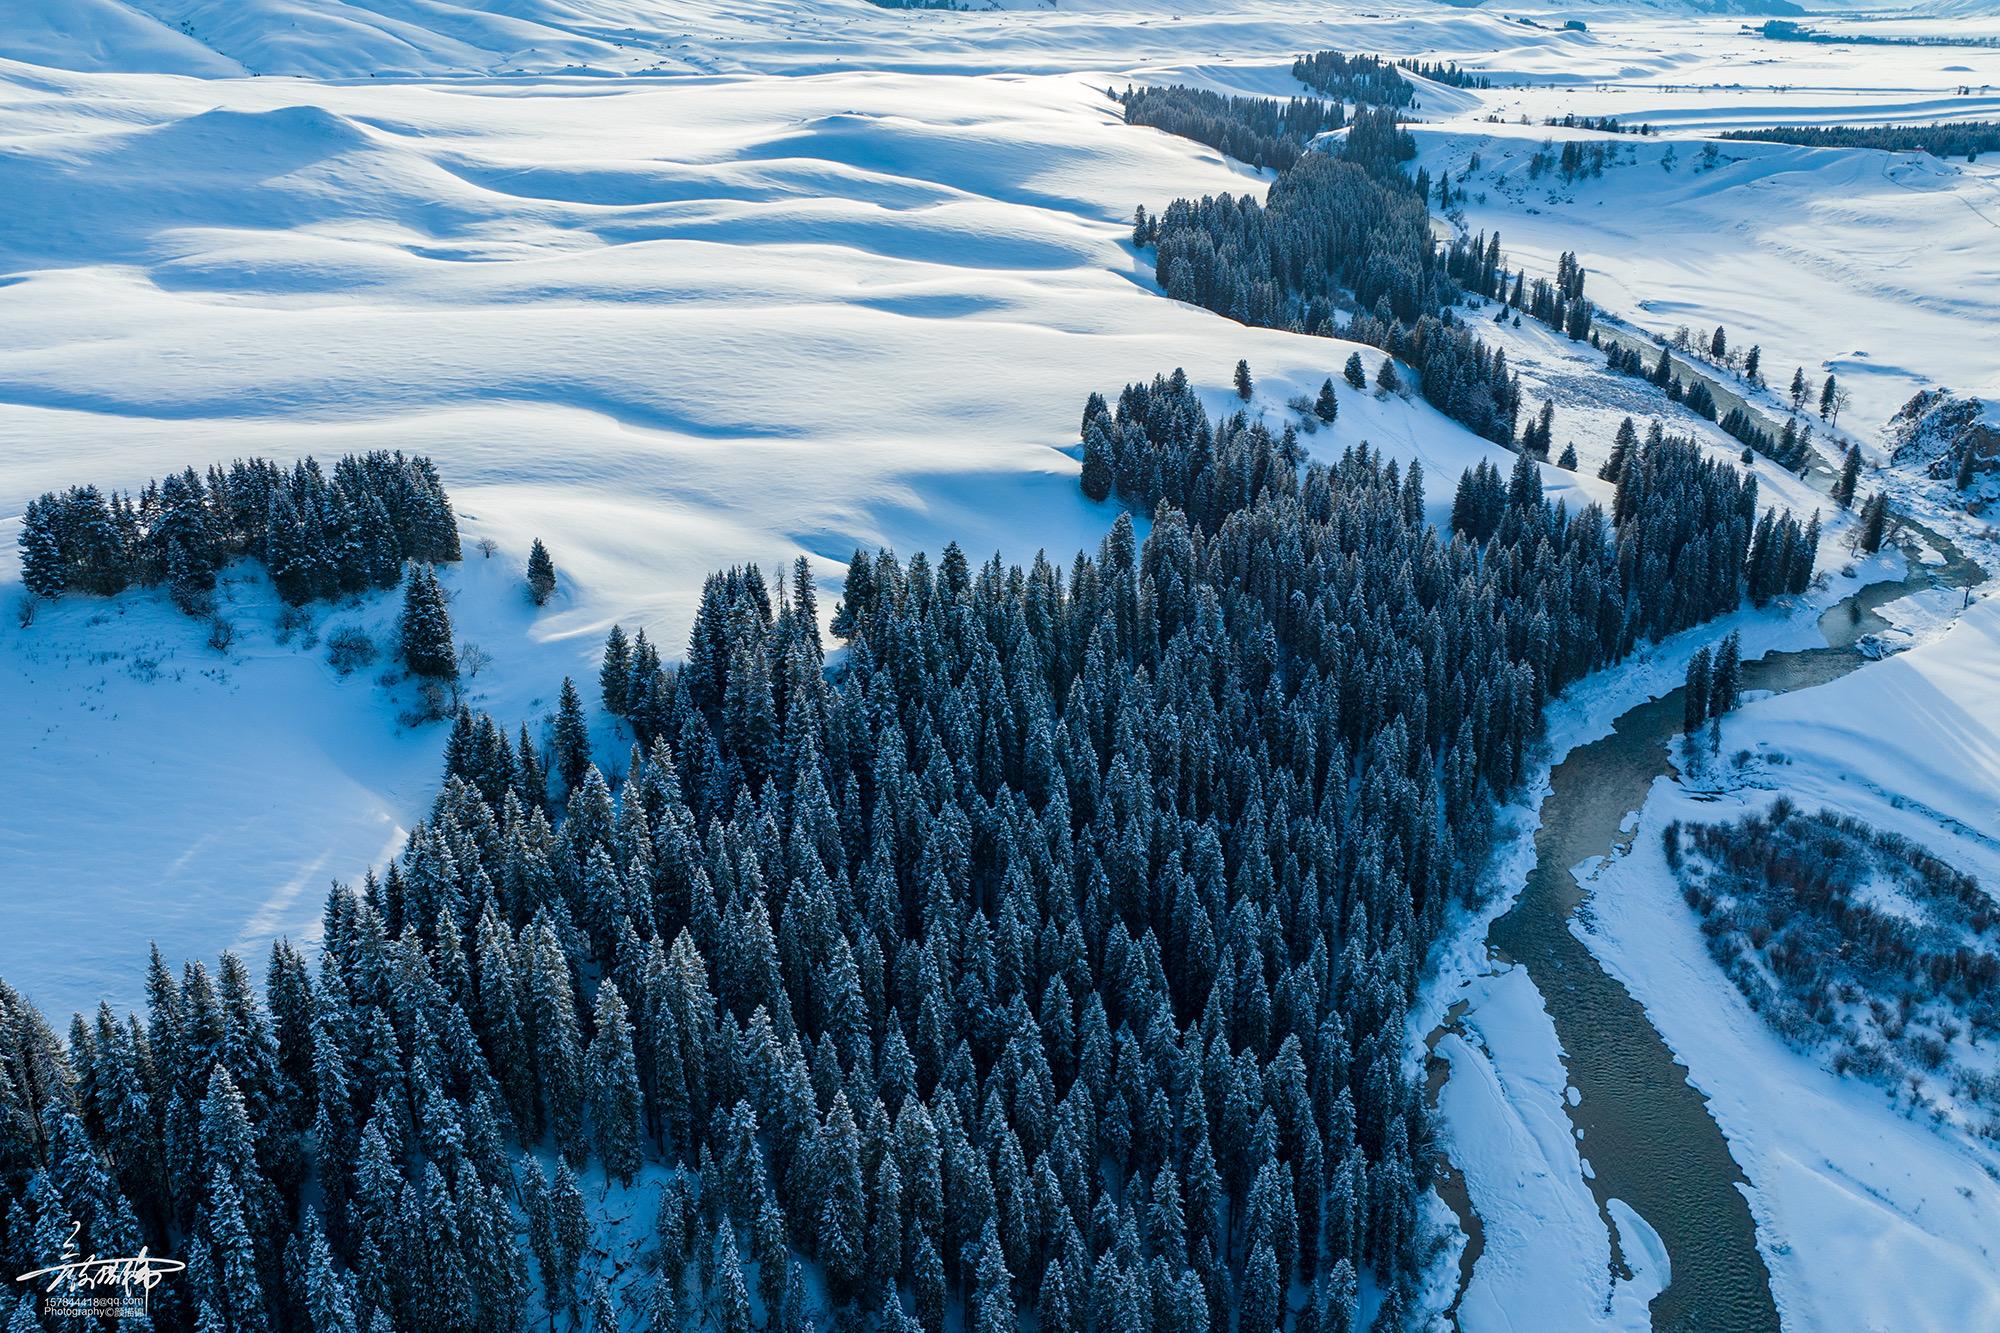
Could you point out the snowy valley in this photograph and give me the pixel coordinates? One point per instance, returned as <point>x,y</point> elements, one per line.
<point>1254,902</point>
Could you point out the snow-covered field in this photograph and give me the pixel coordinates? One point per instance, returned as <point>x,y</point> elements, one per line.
<point>665,325</point>
<point>676,291</point>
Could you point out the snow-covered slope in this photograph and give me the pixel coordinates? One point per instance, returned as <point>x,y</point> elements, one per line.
<point>694,323</point>
<point>1875,266</point>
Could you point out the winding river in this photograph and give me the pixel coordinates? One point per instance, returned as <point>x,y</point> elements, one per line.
<point>1644,1128</point>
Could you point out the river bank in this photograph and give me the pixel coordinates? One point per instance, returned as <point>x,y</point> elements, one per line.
<point>1565,1231</point>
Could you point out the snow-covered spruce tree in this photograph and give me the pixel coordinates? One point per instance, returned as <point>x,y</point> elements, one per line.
<point>1242,382</point>
<point>1725,674</point>
<point>44,567</point>
<point>541,574</point>
<point>1327,406</point>
<point>425,628</point>
<point>572,738</point>
<point>1850,477</point>
<point>1357,378</point>
<point>614,676</point>
<point>612,1076</point>
<point>1874,524</point>
<point>1696,691</point>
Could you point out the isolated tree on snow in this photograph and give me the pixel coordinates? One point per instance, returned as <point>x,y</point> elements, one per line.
<point>1798,388</point>
<point>1874,524</point>
<point>1242,381</point>
<point>541,573</point>
<point>1850,476</point>
<point>1752,360</point>
<point>1357,378</point>
<point>1568,459</point>
<point>426,627</point>
<point>614,677</point>
<point>1827,391</point>
<point>1386,378</point>
<point>1327,406</point>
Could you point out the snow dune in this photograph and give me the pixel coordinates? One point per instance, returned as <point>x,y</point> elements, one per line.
<point>701,322</point>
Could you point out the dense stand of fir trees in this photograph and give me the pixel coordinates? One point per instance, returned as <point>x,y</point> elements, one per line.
<point>1259,130</point>
<point>1790,449</point>
<point>1961,139</point>
<point>1050,953</point>
<point>1446,72</point>
<point>320,536</point>
<point>1345,232</point>
<point>1362,79</point>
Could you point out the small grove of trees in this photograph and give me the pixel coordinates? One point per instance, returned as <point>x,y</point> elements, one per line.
<point>1443,71</point>
<point>319,536</point>
<point>1258,130</point>
<point>1367,79</point>
<point>1966,139</point>
<point>1337,232</point>
<point>1791,449</point>
<point>1856,944</point>
<point>1713,681</point>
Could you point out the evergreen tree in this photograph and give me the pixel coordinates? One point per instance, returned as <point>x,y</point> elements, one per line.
<point>1622,446</point>
<point>1242,380</point>
<point>1386,379</point>
<point>426,627</point>
<point>1327,406</point>
<point>614,677</point>
<point>1873,525</point>
<point>1850,476</point>
<point>541,574</point>
<point>1724,675</point>
<point>572,738</point>
<point>1097,473</point>
<point>616,1112</point>
<point>1357,378</point>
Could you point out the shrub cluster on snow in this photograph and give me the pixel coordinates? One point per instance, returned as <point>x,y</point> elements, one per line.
<point>1856,943</point>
